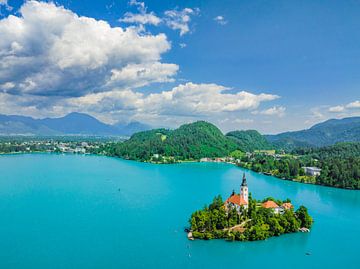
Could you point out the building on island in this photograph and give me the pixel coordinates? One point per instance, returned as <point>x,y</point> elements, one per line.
<point>271,204</point>
<point>278,209</point>
<point>241,201</point>
<point>312,171</point>
<point>287,206</point>
<point>238,201</point>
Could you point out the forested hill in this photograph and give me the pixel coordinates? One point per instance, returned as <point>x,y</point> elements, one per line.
<point>322,134</point>
<point>340,164</point>
<point>249,140</point>
<point>189,141</point>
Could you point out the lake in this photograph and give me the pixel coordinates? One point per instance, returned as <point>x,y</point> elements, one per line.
<point>73,211</point>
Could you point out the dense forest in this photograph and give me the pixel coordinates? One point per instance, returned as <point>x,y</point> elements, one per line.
<point>249,140</point>
<point>340,165</point>
<point>255,223</point>
<point>188,142</point>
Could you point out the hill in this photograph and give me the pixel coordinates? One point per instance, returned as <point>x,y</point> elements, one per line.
<point>132,127</point>
<point>249,140</point>
<point>189,141</point>
<point>323,134</point>
<point>71,124</point>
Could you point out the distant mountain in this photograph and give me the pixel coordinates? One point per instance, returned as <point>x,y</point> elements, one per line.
<point>249,140</point>
<point>322,134</point>
<point>189,141</point>
<point>71,124</point>
<point>79,123</point>
<point>132,127</point>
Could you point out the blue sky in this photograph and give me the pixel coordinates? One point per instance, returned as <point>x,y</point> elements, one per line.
<point>266,65</point>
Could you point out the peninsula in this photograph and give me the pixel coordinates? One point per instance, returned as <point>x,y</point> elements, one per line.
<point>243,218</point>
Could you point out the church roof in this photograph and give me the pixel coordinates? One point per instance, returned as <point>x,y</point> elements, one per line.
<point>236,199</point>
<point>270,204</point>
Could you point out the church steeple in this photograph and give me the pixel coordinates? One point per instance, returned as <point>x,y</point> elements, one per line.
<point>244,191</point>
<point>244,181</point>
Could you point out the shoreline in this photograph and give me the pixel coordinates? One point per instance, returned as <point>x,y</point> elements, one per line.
<point>179,162</point>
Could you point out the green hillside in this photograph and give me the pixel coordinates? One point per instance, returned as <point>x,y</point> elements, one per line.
<point>249,140</point>
<point>323,134</point>
<point>189,141</point>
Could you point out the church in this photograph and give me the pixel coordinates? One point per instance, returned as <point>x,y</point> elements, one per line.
<point>238,200</point>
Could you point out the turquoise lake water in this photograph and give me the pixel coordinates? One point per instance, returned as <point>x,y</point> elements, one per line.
<point>72,211</point>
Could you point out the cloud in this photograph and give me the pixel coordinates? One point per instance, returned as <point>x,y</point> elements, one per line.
<point>49,50</point>
<point>278,111</point>
<point>336,109</point>
<point>344,108</point>
<point>180,19</point>
<point>175,19</point>
<point>142,17</point>
<point>148,18</point>
<point>53,62</point>
<point>184,100</point>
<point>355,104</point>
<point>182,45</point>
<point>220,20</point>
<point>244,121</point>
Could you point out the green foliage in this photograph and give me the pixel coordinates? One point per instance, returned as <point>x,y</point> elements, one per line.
<point>188,142</point>
<point>249,140</point>
<point>303,216</point>
<point>257,223</point>
<point>237,154</point>
<point>340,165</point>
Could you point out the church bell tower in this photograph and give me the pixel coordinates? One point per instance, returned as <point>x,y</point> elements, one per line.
<point>244,191</point>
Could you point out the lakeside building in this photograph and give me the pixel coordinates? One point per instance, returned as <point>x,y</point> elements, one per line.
<point>312,171</point>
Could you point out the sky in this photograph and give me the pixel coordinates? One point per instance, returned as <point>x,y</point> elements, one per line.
<point>272,66</point>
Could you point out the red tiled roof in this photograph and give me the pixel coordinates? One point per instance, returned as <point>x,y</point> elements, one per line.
<point>287,205</point>
<point>236,199</point>
<point>270,204</point>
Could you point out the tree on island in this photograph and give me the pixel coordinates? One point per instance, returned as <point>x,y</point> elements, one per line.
<point>251,224</point>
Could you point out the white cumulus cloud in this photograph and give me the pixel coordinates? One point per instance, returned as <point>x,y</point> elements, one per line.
<point>278,111</point>
<point>142,17</point>
<point>336,109</point>
<point>180,19</point>
<point>190,99</point>
<point>355,104</point>
<point>49,50</point>
<point>345,108</point>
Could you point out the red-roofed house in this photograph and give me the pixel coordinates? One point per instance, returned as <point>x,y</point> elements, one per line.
<point>271,204</point>
<point>287,206</point>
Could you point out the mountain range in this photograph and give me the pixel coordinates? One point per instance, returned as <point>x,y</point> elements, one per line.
<point>71,124</point>
<point>322,134</point>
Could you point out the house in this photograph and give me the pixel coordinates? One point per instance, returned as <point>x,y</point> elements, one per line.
<point>238,201</point>
<point>312,171</point>
<point>271,204</point>
<point>287,206</point>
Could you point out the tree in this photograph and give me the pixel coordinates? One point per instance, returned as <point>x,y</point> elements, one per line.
<point>304,218</point>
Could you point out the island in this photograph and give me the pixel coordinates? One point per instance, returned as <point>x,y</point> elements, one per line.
<point>243,218</point>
